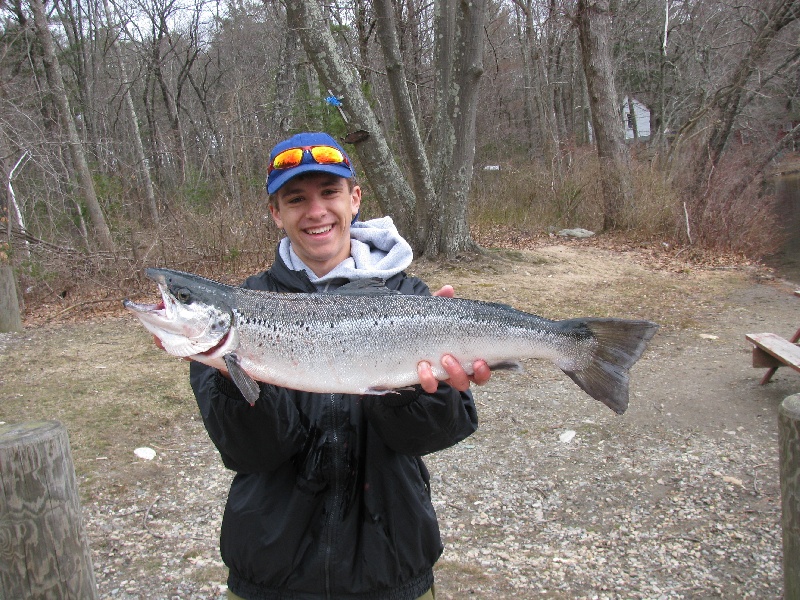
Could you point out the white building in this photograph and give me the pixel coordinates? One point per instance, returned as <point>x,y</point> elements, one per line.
<point>642,119</point>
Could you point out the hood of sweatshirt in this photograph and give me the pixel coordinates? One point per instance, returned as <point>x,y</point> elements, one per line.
<point>376,250</point>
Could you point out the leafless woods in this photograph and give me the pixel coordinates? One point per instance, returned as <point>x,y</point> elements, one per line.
<point>127,124</point>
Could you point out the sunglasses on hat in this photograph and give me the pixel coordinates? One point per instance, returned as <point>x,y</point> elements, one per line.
<point>322,155</point>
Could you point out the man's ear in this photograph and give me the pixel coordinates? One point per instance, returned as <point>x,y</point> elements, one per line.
<point>355,200</point>
<point>276,215</point>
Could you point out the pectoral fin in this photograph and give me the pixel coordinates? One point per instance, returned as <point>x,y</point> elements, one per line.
<point>246,384</point>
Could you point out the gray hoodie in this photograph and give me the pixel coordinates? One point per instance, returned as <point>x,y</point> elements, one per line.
<point>376,250</point>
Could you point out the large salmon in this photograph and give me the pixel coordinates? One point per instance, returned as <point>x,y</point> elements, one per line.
<point>366,339</point>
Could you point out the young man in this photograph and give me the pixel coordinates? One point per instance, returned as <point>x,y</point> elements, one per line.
<point>330,498</point>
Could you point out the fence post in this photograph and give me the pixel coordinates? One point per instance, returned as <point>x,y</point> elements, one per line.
<point>789,437</point>
<point>44,552</point>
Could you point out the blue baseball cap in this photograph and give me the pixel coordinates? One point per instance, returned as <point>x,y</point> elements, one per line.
<point>277,177</point>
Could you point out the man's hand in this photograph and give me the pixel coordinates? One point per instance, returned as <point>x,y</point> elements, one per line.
<point>447,291</point>
<point>458,378</point>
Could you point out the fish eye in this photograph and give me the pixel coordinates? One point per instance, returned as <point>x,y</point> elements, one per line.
<point>183,295</point>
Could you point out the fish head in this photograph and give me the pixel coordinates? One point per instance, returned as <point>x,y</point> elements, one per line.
<point>193,316</point>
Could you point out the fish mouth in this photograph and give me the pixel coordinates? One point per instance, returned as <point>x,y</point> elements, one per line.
<point>154,309</point>
<point>162,315</point>
<point>160,309</point>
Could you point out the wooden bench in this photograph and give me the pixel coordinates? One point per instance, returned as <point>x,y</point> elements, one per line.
<point>773,351</point>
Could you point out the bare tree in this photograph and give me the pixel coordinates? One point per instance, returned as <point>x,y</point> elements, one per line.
<point>10,318</point>
<point>431,210</point>
<point>80,25</point>
<point>393,192</point>
<point>162,48</point>
<point>736,92</point>
<point>593,20</point>
<point>410,136</point>
<point>56,83</point>
<point>458,58</point>
<point>142,164</point>
<point>216,84</point>
<point>286,82</point>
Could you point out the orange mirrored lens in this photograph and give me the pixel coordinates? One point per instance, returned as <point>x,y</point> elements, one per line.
<point>323,155</point>
<point>326,155</point>
<point>288,159</point>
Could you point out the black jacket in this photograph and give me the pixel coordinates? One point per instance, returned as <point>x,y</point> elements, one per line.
<point>330,498</point>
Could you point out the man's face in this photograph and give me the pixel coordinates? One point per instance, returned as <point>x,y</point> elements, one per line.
<point>315,211</point>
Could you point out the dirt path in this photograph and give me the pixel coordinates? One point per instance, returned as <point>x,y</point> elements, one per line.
<point>678,498</point>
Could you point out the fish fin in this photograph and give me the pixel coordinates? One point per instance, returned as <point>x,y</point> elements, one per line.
<point>246,384</point>
<point>381,391</point>
<point>506,365</point>
<point>620,343</point>
<point>368,286</point>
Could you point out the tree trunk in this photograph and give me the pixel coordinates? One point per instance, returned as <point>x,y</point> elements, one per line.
<point>410,138</point>
<point>142,165</point>
<point>632,122</point>
<point>430,213</point>
<point>286,84</point>
<point>593,20</point>
<point>525,32</point>
<point>56,83</point>
<point>394,195</point>
<point>78,19</point>
<point>459,65</point>
<point>160,37</point>
<point>10,314</point>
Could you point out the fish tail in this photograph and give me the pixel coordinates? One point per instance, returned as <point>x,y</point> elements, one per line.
<point>620,343</point>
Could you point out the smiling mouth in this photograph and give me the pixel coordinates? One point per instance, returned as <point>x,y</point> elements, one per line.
<point>319,230</point>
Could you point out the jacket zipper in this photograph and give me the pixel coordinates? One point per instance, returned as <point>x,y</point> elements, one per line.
<point>336,463</point>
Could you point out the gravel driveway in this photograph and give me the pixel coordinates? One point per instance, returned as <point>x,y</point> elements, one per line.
<point>553,497</point>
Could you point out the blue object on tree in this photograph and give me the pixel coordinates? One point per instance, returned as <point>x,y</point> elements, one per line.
<point>333,101</point>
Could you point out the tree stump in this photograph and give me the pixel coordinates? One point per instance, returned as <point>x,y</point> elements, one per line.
<point>10,319</point>
<point>789,437</point>
<point>44,552</point>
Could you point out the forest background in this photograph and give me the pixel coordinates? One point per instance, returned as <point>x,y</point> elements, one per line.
<point>137,132</point>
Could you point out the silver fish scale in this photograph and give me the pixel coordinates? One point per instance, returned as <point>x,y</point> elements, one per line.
<point>365,341</point>
<point>370,342</point>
